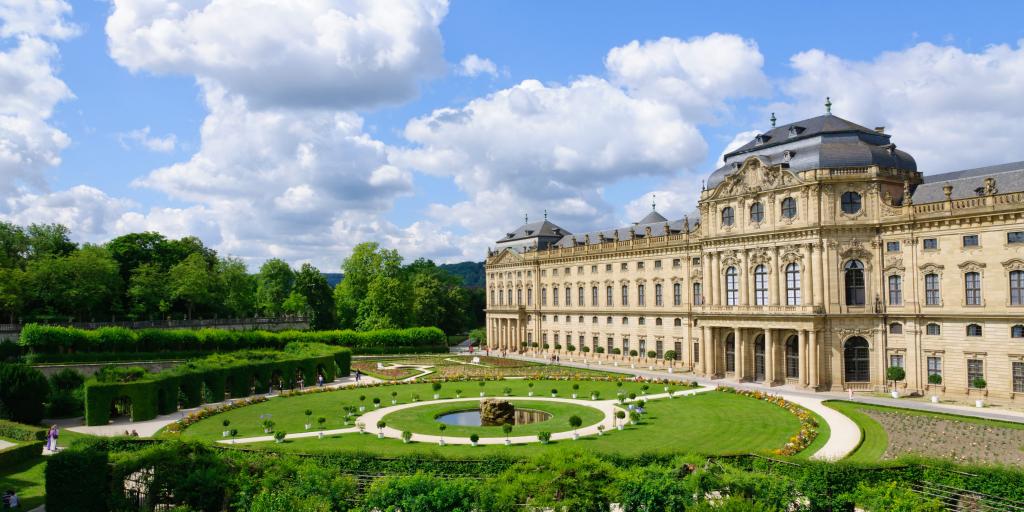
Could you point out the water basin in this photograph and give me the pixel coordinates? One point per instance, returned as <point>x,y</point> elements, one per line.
<point>471,417</point>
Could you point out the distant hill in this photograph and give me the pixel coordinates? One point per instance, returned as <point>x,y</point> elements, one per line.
<point>333,278</point>
<point>471,272</point>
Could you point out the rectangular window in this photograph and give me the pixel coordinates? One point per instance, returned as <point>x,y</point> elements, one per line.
<point>732,288</point>
<point>579,270</point>
<point>554,296</point>
<point>895,291</point>
<point>975,371</point>
<point>698,295</point>
<point>658,349</point>
<point>625,346</point>
<point>972,288</point>
<point>760,286</point>
<point>696,352</point>
<point>609,321</point>
<point>657,263</point>
<point>625,320</point>
<point>896,360</point>
<point>657,295</point>
<point>519,296</point>
<point>579,297</point>
<point>611,344</point>
<point>625,295</point>
<point>1018,377</point>
<point>624,267</point>
<point>608,296</point>
<point>608,267</point>
<point>1017,288</point>
<point>1015,237</point>
<point>970,240</point>
<point>639,265</point>
<point>529,296</point>
<point>641,295</point>
<point>642,321</point>
<point>677,263</point>
<point>554,272</point>
<point>677,294</point>
<point>593,269</point>
<point>568,296</point>
<point>593,296</point>
<point>677,347</point>
<point>892,247</point>
<point>934,366</point>
<point>695,262</point>
<point>930,244</point>
<point>932,297</point>
<point>643,348</point>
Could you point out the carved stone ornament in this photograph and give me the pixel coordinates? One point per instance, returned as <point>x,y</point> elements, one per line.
<point>760,257</point>
<point>755,176</point>
<point>729,259</point>
<point>854,249</point>
<point>695,274</point>
<point>1013,264</point>
<point>931,268</point>
<point>845,334</point>
<point>894,265</point>
<point>972,266</point>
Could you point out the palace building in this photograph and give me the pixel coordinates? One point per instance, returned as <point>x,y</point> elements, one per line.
<point>818,257</point>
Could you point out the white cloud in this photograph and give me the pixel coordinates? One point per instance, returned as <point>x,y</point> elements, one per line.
<point>87,211</point>
<point>45,18</point>
<point>474,65</point>
<point>740,139</point>
<point>947,107</point>
<point>699,74</point>
<point>323,53</point>
<point>677,199</point>
<point>141,136</point>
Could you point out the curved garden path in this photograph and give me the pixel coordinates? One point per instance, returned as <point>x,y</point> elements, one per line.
<point>608,407</point>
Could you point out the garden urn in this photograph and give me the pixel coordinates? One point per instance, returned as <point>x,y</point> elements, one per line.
<point>380,435</point>
<point>895,393</point>
<point>307,425</point>
<point>935,399</point>
<point>473,443</point>
<point>620,426</point>
<point>320,435</point>
<point>436,396</point>
<point>979,403</point>
<point>574,396</point>
<point>575,436</point>
<point>440,442</point>
<point>508,442</point>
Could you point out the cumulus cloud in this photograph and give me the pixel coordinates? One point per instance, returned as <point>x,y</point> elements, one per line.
<point>325,53</point>
<point>948,107</point>
<point>88,211</point>
<point>474,65</point>
<point>539,146</point>
<point>42,18</point>
<point>141,136</point>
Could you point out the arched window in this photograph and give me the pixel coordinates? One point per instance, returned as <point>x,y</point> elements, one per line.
<point>760,285</point>
<point>756,212</point>
<point>727,216</point>
<point>678,322</point>
<point>732,290</point>
<point>658,301</point>
<point>853,278</point>
<point>657,321</point>
<point>677,294</point>
<point>973,330</point>
<point>895,290</point>
<point>529,296</point>
<point>501,297</point>
<point>641,295</point>
<point>851,202</point>
<point>593,296</point>
<point>789,208</point>
<point>895,328</point>
<point>857,360</point>
<point>580,294</point>
<point>1017,287</point>
<point>1017,331</point>
<point>519,296</point>
<point>972,288</point>
<point>932,294</point>
<point>544,296</point>
<point>608,296</point>
<point>730,353</point>
<point>492,297</point>
<point>625,295</point>
<point>568,296</point>
<point>793,284</point>
<point>792,357</point>
<point>554,295</point>
<point>932,329</point>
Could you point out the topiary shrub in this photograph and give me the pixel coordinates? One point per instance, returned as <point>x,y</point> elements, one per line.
<point>670,355</point>
<point>23,390</point>
<point>78,479</point>
<point>935,379</point>
<point>652,354</point>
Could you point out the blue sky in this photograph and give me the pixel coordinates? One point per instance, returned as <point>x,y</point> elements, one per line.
<point>583,108</point>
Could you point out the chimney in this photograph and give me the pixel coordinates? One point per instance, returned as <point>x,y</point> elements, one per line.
<point>880,129</point>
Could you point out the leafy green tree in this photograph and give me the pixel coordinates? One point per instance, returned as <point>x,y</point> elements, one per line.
<point>13,245</point>
<point>385,305</point>
<point>274,284</point>
<point>367,262</point>
<point>437,297</point>
<point>654,487</point>
<point>84,285</point>
<point>312,285</point>
<point>23,390</point>
<point>148,291</point>
<point>422,493</point>
<point>191,282</point>
<point>136,249</point>
<point>49,240</point>
<point>554,480</point>
<point>237,287</point>
<point>295,304</point>
<point>12,293</point>
<point>893,497</point>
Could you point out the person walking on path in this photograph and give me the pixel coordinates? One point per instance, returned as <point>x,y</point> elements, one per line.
<point>358,376</point>
<point>51,438</point>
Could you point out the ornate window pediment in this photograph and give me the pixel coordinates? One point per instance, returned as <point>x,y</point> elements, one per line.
<point>931,268</point>
<point>730,259</point>
<point>855,250</point>
<point>894,266</point>
<point>753,176</point>
<point>1013,264</point>
<point>972,266</point>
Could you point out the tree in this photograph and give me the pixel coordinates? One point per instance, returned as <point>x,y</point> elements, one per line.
<point>13,245</point>
<point>190,282</point>
<point>295,304</point>
<point>422,493</point>
<point>23,390</point>
<point>12,293</point>
<point>895,374</point>
<point>49,240</point>
<point>136,249</point>
<point>237,287</point>
<point>367,262</point>
<point>147,291</point>
<point>558,481</point>
<point>312,285</point>
<point>274,284</point>
<point>85,285</point>
<point>654,487</point>
<point>385,305</point>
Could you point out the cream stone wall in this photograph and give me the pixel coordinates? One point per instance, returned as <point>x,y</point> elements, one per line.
<point>755,332</point>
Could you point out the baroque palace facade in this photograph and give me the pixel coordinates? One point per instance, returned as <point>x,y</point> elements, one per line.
<point>818,257</point>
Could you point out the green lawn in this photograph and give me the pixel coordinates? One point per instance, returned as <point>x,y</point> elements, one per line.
<point>708,423</point>
<point>422,419</point>
<point>288,413</point>
<point>874,440</point>
<point>27,480</point>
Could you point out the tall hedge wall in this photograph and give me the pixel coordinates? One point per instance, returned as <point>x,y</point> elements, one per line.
<point>234,373</point>
<point>45,339</point>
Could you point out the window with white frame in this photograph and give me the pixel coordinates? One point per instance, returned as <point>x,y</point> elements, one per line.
<point>1018,376</point>
<point>732,288</point>
<point>896,360</point>
<point>641,295</point>
<point>932,294</point>
<point>934,366</point>
<point>792,284</point>
<point>1017,288</point>
<point>895,290</point>
<point>658,301</point>
<point>972,288</point>
<point>760,285</point>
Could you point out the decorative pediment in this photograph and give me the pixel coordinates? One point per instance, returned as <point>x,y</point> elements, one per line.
<point>760,257</point>
<point>754,176</point>
<point>676,279</point>
<point>972,266</point>
<point>931,268</point>
<point>506,256</point>
<point>1013,264</point>
<point>854,249</point>
<point>790,254</point>
<point>695,274</point>
<point>730,259</point>
<point>894,265</point>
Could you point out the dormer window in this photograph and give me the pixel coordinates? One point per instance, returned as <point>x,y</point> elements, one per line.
<point>795,130</point>
<point>509,235</point>
<point>529,232</point>
<point>787,155</point>
<point>761,139</point>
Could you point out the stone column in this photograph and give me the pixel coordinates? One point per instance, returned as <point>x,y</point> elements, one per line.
<point>769,356</point>
<point>705,352</point>
<point>802,353</point>
<point>808,275</point>
<point>815,360</point>
<point>706,271</point>
<point>741,353</point>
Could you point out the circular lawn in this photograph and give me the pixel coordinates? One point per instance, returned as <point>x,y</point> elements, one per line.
<point>423,420</point>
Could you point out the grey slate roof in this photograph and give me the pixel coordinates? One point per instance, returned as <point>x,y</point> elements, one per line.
<point>543,228</point>
<point>820,142</point>
<point>657,229</point>
<point>651,218</point>
<point>1008,178</point>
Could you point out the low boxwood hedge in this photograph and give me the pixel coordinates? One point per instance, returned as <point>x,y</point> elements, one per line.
<point>19,453</point>
<point>45,339</point>
<point>210,379</point>
<point>21,432</point>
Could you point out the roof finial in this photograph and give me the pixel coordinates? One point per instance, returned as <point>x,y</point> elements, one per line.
<point>526,218</point>
<point>545,214</point>
<point>653,207</point>
<point>828,105</point>
<point>773,119</point>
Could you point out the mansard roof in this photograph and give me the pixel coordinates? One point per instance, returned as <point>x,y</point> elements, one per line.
<point>639,228</point>
<point>970,182</point>
<point>823,142</point>
<point>652,218</point>
<point>543,228</point>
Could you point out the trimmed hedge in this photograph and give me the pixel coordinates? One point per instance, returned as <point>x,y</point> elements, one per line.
<point>45,339</point>
<point>20,453</point>
<point>235,374</point>
<point>21,432</point>
<point>78,478</point>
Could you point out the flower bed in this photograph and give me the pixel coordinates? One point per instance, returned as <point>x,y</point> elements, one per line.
<point>808,426</point>
<point>206,412</point>
<point>961,441</point>
<point>370,368</point>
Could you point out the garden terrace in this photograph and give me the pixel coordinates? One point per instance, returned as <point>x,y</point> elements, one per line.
<point>462,367</point>
<point>238,374</point>
<point>39,341</point>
